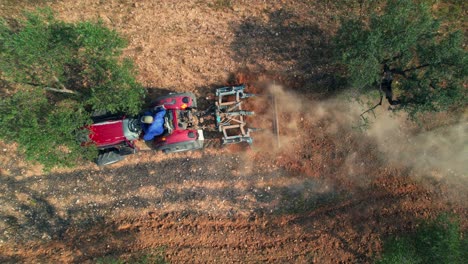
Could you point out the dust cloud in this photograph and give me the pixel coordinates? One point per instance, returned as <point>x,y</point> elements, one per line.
<point>441,153</point>
<point>296,115</point>
<point>317,138</point>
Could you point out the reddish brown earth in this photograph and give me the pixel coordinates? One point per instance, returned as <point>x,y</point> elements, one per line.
<point>328,194</point>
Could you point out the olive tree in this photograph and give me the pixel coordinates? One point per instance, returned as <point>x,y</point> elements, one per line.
<point>59,73</point>
<point>402,49</point>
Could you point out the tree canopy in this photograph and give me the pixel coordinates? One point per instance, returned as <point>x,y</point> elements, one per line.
<point>428,65</point>
<point>60,73</point>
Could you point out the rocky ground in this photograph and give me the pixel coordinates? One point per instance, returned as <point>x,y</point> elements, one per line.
<point>329,193</point>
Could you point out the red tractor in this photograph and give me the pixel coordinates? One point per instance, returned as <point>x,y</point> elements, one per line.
<point>115,137</point>
<point>181,130</point>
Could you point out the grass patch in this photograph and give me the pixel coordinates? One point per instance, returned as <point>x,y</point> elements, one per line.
<point>437,241</point>
<point>153,256</point>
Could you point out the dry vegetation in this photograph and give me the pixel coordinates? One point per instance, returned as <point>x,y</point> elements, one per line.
<point>329,194</point>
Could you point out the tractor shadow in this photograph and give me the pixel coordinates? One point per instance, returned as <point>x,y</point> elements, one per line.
<point>286,50</point>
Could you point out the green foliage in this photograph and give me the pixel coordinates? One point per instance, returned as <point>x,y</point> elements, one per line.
<point>429,66</point>
<point>45,133</point>
<point>348,5</point>
<point>82,57</point>
<point>62,72</point>
<point>438,241</point>
<point>127,94</point>
<point>450,11</point>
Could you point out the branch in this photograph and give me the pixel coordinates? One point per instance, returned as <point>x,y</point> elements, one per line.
<point>417,67</point>
<point>63,90</point>
<point>396,71</point>
<point>403,72</point>
<point>60,90</point>
<point>372,108</point>
<point>59,83</point>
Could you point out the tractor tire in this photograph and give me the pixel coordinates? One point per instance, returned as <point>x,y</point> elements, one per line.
<point>124,151</point>
<point>175,150</point>
<point>108,157</point>
<point>180,147</point>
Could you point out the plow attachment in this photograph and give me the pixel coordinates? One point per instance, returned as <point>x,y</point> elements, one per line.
<point>230,117</point>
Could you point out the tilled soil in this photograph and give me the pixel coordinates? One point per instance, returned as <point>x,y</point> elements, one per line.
<point>209,216</point>
<point>327,194</point>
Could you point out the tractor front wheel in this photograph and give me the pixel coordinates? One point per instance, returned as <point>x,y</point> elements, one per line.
<point>108,157</point>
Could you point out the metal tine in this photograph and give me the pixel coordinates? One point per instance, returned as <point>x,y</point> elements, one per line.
<point>248,95</point>
<point>232,114</point>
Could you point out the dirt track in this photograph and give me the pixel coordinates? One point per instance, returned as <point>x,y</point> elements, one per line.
<point>210,216</point>
<point>329,195</point>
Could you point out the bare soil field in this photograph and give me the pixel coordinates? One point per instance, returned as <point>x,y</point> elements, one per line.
<point>329,193</point>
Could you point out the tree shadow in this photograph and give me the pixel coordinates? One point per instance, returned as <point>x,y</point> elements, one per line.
<point>11,259</point>
<point>36,212</point>
<point>56,207</point>
<point>285,46</point>
<point>153,93</point>
<point>31,218</point>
